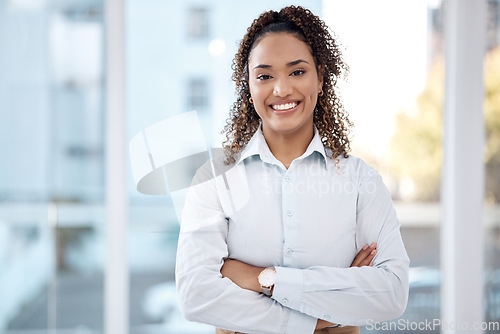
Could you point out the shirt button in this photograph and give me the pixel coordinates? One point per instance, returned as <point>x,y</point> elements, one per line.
<point>327,317</point>
<point>289,213</point>
<point>289,251</point>
<point>284,301</point>
<point>287,179</point>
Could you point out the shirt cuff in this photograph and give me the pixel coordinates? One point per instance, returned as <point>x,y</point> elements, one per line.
<point>300,323</point>
<point>288,287</point>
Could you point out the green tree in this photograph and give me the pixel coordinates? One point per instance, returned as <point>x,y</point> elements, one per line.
<point>492,122</point>
<point>416,146</point>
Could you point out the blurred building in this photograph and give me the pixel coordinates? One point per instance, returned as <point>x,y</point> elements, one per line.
<point>51,100</point>
<point>436,12</point>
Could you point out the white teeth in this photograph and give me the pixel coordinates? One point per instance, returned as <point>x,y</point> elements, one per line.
<point>285,106</point>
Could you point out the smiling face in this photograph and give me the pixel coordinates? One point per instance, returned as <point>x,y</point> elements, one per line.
<point>284,84</point>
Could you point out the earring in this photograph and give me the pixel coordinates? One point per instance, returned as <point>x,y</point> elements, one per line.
<point>250,100</point>
<point>320,92</point>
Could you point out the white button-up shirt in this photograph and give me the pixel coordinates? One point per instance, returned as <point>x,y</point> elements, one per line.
<point>308,222</point>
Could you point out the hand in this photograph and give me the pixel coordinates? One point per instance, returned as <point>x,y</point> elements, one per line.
<point>362,259</point>
<point>242,274</point>
<point>365,256</point>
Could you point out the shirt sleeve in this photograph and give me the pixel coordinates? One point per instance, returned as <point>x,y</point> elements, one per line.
<point>360,295</point>
<point>203,294</point>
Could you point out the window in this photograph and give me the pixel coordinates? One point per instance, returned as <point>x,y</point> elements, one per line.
<point>53,138</point>
<point>197,94</point>
<point>52,217</point>
<point>198,27</point>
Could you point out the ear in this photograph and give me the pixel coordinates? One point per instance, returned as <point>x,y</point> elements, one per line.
<point>321,72</point>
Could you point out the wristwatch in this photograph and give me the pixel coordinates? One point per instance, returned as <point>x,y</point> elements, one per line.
<point>267,278</point>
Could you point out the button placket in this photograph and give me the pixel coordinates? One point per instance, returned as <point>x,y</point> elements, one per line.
<point>288,217</point>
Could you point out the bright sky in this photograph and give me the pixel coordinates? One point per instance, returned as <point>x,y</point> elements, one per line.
<point>386,42</point>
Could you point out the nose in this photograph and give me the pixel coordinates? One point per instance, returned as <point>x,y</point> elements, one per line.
<point>282,88</point>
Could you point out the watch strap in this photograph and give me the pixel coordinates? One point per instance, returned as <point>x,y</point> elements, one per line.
<point>266,290</point>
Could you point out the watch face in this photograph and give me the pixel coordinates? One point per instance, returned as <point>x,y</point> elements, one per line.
<point>267,277</point>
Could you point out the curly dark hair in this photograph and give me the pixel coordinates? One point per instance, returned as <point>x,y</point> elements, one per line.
<point>330,117</point>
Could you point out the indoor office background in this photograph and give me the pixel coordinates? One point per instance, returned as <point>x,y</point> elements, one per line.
<point>53,98</point>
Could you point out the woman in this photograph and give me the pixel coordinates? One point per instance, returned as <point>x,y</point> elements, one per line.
<point>269,235</point>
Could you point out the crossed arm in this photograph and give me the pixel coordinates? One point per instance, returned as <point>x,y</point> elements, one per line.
<point>246,276</point>
<point>215,290</point>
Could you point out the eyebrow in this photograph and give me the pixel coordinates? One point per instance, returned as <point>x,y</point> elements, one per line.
<point>292,63</point>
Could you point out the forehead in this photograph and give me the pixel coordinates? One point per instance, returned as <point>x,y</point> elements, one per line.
<point>279,48</point>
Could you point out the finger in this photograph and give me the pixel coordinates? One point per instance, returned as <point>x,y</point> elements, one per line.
<point>368,259</point>
<point>364,256</point>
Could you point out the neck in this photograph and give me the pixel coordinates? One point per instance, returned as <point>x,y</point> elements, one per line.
<point>288,146</point>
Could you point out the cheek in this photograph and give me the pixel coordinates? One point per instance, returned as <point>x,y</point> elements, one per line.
<point>260,95</point>
<point>258,89</point>
<point>254,92</point>
<point>313,93</point>
<point>256,95</point>
<point>314,101</point>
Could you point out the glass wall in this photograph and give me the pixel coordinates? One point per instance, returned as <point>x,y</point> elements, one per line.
<point>52,171</point>
<point>492,165</point>
<point>178,59</point>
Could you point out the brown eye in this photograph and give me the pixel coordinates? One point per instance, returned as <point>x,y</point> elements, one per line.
<point>297,72</point>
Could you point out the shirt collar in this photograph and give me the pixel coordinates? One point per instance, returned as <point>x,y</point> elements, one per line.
<point>257,145</point>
